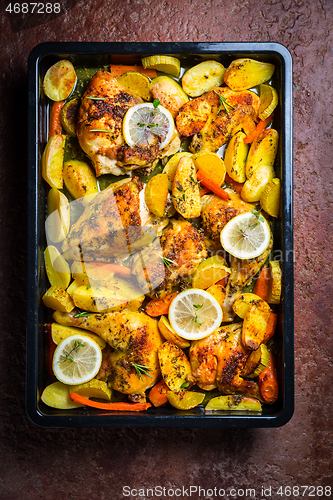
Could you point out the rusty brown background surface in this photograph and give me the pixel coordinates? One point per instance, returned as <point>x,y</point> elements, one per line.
<point>96,463</point>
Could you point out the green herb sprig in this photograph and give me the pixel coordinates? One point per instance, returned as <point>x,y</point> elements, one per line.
<point>167,262</point>
<point>141,369</point>
<point>223,103</point>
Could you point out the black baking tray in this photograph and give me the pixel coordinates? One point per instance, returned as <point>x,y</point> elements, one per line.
<point>98,54</point>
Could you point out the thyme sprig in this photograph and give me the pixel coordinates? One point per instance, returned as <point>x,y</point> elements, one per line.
<point>81,314</point>
<point>167,262</point>
<point>77,343</point>
<point>96,98</point>
<point>141,369</point>
<point>100,130</point>
<point>223,103</point>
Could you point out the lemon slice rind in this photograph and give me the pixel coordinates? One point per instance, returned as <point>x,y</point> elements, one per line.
<point>268,101</point>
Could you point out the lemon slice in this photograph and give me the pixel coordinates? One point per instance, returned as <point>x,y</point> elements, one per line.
<point>246,236</point>
<point>144,125</point>
<point>195,314</point>
<point>76,360</point>
<point>166,64</point>
<point>268,101</point>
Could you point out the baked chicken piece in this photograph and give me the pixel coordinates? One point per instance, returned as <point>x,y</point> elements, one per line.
<point>171,259</point>
<point>218,360</point>
<point>214,127</point>
<point>133,337</point>
<point>107,150</point>
<point>216,212</point>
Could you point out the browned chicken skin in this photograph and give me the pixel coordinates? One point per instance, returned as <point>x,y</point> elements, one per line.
<point>218,360</point>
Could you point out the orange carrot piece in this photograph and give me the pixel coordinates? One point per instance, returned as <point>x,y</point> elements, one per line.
<point>109,406</point>
<point>120,69</point>
<point>211,185</point>
<point>268,382</point>
<point>236,185</point>
<point>261,288</point>
<point>157,394</point>
<point>157,307</point>
<point>259,128</point>
<point>55,125</point>
<point>204,190</point>
<point>118,269</point>
<point>271,326</point>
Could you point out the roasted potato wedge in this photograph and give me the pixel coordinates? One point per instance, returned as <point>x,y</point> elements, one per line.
<point>275,285</point>
<point>262,151</point>
<point>169,93</point>
<point>268,101</point>
<point>254,187</point>
<point>93,389</point>
<point>185,190</point>
<point>243,302</point>
<point>57,269</point>
<point>209,272</point>
<point>171,167</point>
<point>246,73</point>
<point>256,362</point>
<point>212,165</point>
<point>270,197</point>
<point>156,194</point>
<point>192,116</point>
<point>56,395</point>
<point>185,400</point>
<point>203,77</point>
<point>233,402</point>
<point>58,299</point>
<point>136,83</point>
<point>255,325</point>
<point>52,161</point>
<point>61,332</point>
<point>58,221</point>
<point>174,365</point>
<point>80,179</point>
<point>235,157</point>
<point>169,333</point>
<point>60,80</point>
<point>218,292</point>
<point>69,115</point>
<point>79,274</point>
<point>166,64</point>
<point>73,286</point>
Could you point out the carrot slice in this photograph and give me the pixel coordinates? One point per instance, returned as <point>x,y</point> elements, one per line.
<point>157,307</point>
<point>109,406</point>
<point>271,326</point>
<point>261,287</point>
<point>238,186</point>
<point>201,176</point>
<point>259,128</point>
<point>120,69</point>
<point>268,382</point>
<point>55,124</point>
<point>204,190</point>
<point>157,395</point>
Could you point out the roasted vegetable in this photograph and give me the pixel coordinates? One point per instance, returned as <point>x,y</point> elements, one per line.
<point>56,395</point>
<point>169,93</point>
<point>157,307</point>
<point>61,332</point>
<point>255,325</point>
<point>80,179</point>
<point>58,299</point>
<point>55,124</point>
<point>218,291</point>
<point>56,267</point>
<point>169,333</point>
<point>275,285</point>
<point>235,157</point>
<point>268,382</point>
<point>52,161</point>
<point>93,389</point>
<point>254,187</point>
<point>156,194</point>
<point>117,70</point>
<point>171,167</point>
<point>246,73</point>
<point>58,221</point>
<point>174,365</point>
<point>109,406</point>
<point>136,83</point>
<point>243,302</point>
<point>185,190</point>
<point>59,80</point>
<point>209,272</point>
<point>72,287</point>
<point>233,402</point>
<point>185,400</point>
<point>203,77</point>
<point>256,362</point>
<point>268,101</point>
<point>271,326</point>
<point>262,151</point>
<point>165,64</point>
<point>270,197</point>
<point>158,394</point>
<point>68,116</point>
<point>212,165</point>
<point>207,182</point>
<point>261,287</point>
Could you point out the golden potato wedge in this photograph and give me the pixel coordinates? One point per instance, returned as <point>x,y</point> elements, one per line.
<point>185,189</point>
<point>254,187</point>
<point>69,115</point>
<point>218,292</point>
<point>156,194</point>
<point>256,362</point>
<point>169,93</point>
<point>262,151</point>
<point>56,267</point>
<point>270,197</point>
<point>59,80</point>
<point>52,161</point>
<point>185,400</point>
<point>56,395</point>
<point>255,325</point>
<point>235,157</point>
<point>73,286</point>
<point>79,273</point>
<point>243,302</point>
<point>192,116</point>
<point>275,283</point>
<point>209,272</point>
<point>203,77</point>
<point>246,73</point>
<point>93,389</point>
<point>171,167</point>
<point>169,333</point>
<point>58,299</point>
<point>233,402</point>
<point>135,304</point>
<point>58,221</point>
<point>212,165</point>
<point>80,180</point>
<point>136,83</point>
<point>174,365</point>
<point>166,64</point>
<point>61,332</point>
<point>268,101</point>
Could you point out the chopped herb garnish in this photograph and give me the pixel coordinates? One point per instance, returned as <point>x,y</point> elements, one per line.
<point>196,321</point>
<point>167,262</point>
<point>81,314</point>
<point>141,369</point>
<point>77,344</point>
<point>184,198</point>
<point>223,103</point>
<point>184,385</point>
<point>180,188</point>
<point>89,286</point>
<point>156,102</point>
<point>256,213</point>
<point>96,98</point>
<point>198,306</point>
